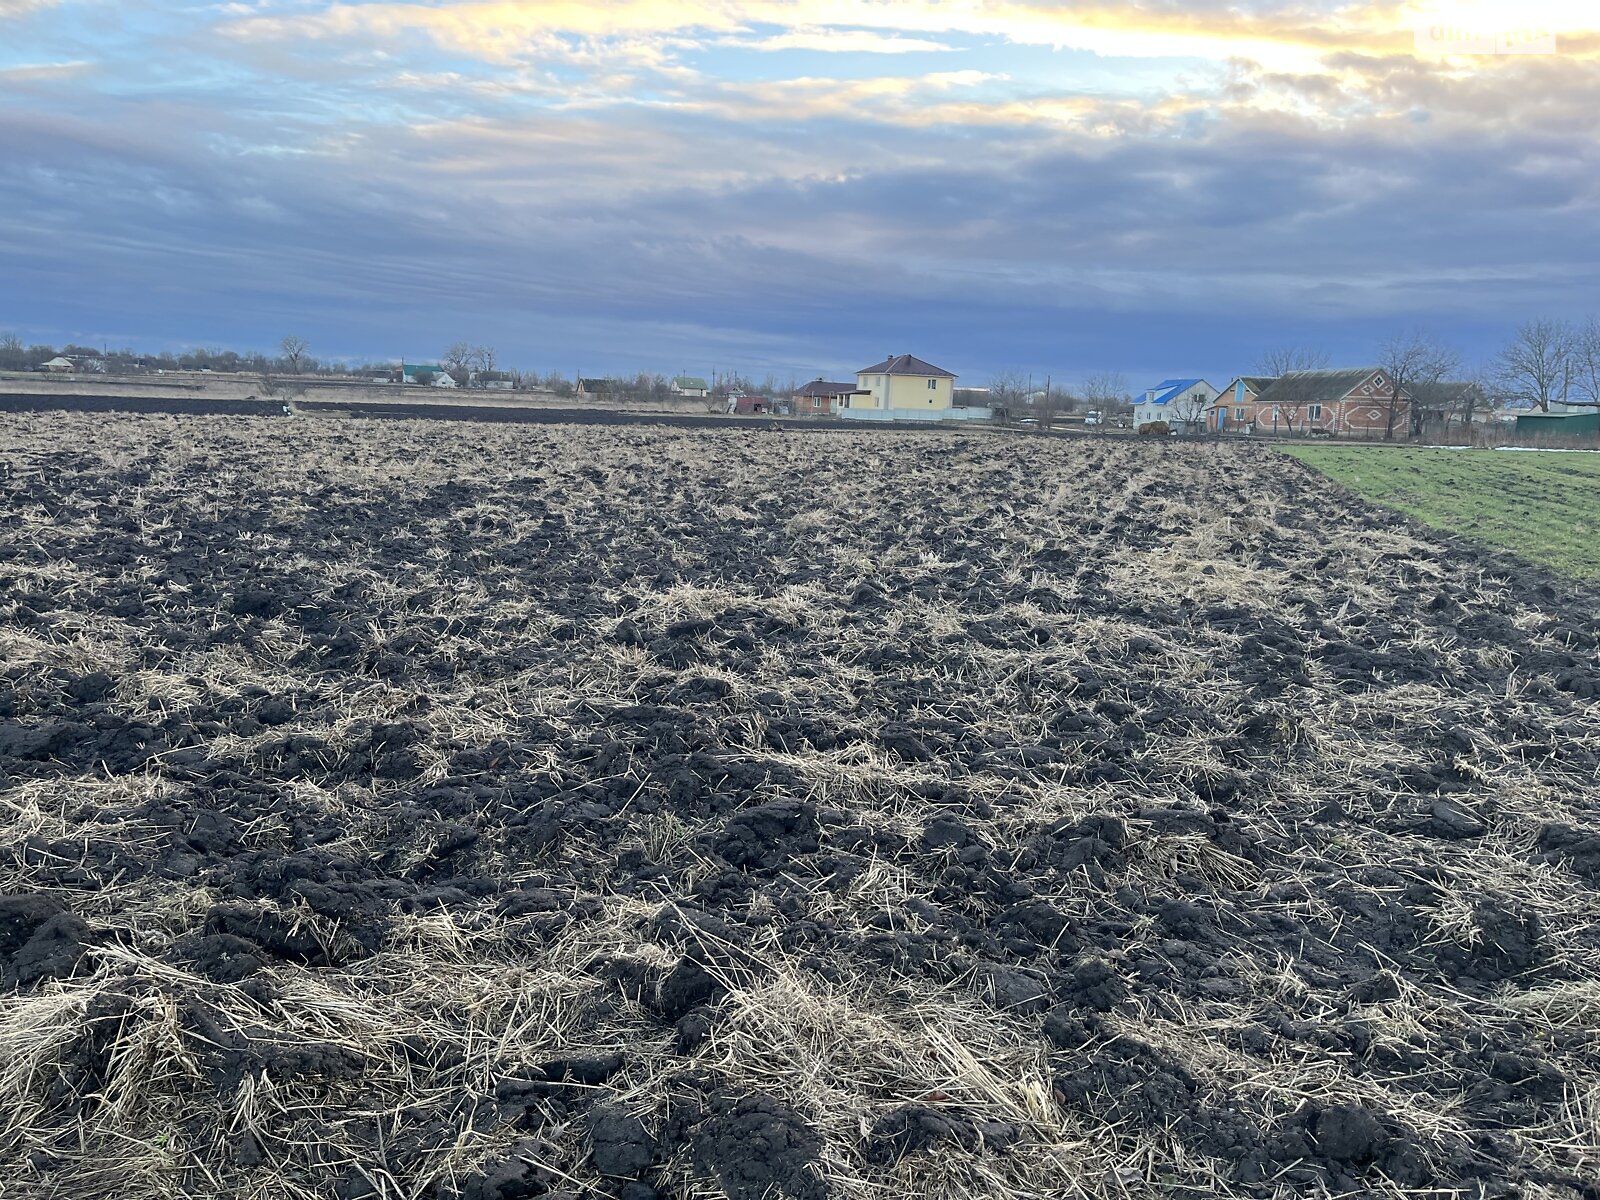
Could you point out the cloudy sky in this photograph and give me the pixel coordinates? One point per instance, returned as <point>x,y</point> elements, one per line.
<point>797,186</point>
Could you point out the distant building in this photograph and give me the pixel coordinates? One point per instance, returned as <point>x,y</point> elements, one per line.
<point>57,365</point>
<point>1539,425</point>
<point>1352,402</point>
<point>427,373</point>
<point>749,404</point>
<point>1233,409</point>
<point>822,398</point>
<point>904,382</point>
<point>690,385</point>
<point>591,389</point>
<point>1181,403</point>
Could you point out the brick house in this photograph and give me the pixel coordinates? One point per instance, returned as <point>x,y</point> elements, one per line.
<point>1233,409</point>
<point>1343,403</point>
<point>823,398</point>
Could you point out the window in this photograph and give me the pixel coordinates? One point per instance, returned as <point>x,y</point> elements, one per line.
<point>933,385</point>
<point>1314,412</point>
<point>816,402</point>
<point>1238,413</point>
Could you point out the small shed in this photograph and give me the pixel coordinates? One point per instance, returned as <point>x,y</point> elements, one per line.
<point>1554,426</point>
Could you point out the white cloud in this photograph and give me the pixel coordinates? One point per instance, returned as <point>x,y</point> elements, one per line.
<point>843,41</point>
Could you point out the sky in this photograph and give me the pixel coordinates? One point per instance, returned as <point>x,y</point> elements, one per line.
<point>799,187</point>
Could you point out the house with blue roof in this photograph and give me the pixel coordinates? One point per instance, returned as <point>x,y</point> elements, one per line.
<point>1181,403</point>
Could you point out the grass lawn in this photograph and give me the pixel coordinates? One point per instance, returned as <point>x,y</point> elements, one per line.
<point>1545,507</point>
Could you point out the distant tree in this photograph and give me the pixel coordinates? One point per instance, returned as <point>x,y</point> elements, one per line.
<point>484,359</point>
<point>1416,364</point>
<point>1586,365</point>
<point>13,354</point>
<point>1008,389</point>
<point>1458,400</point>
<point>1285,360</point>
<point>294,351</point>
<point>1106,392</point>
<point>458,360</point>
<point>1190,408</point>
<point>1538,363</point>
<point>425,378</point>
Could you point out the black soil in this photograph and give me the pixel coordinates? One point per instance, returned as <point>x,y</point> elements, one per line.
<point>441,798</point>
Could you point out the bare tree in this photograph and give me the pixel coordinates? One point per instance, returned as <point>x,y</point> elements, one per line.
<point>13,354</point>
<point>1189,407</point>
<point>1106,392</point>
<point>484,360</point>
<point>1586,364</point>
<point>1415,364</point>
<point>1537,366</point>
<point>294,351</point>
<point>458,360</point>
<point>1285,360</point>
<point>1457,400</point>
<point>1008,388</point>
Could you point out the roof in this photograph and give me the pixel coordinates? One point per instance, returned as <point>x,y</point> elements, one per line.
<point>690,382</point>
<point>1169,388</point>
<point>821,387</point>
<point>595,385</point>
<point>904,364</point>
<point>418,368</point>
<point>1316,387</point>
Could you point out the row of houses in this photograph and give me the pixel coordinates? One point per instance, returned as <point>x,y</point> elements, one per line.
<point>1360,402</point>
<point>901,387</point>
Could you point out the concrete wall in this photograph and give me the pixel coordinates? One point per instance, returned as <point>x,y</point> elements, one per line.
<point>916,414</point>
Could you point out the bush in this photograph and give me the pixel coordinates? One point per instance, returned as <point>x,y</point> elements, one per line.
<point>1154,429</point>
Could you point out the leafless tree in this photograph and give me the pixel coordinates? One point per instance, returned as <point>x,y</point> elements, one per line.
<point>458,360</point>
<point>13,354</point>
<point>1008,387</point>
<point>1286,412</point>
<point>1190,407</point>
<point>1416,365</point>
<point>484,359</point>
<point>1106,392</point>
<point>294,351</point>
<point>1586,365</point>
<point>1538,364</point>
<point>1287,359</point>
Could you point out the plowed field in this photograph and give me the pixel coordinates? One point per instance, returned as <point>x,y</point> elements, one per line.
<point>396,810</point>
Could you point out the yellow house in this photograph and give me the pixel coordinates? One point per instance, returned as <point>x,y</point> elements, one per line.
<point>904,382</point>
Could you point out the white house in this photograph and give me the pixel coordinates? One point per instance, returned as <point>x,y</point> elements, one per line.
<point>690,385</point>
<point>1181,403</point>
